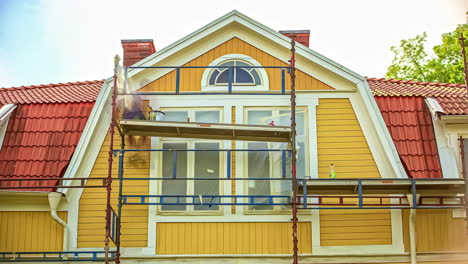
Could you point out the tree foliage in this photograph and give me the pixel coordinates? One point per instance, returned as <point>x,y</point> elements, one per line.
<point>411,62</point>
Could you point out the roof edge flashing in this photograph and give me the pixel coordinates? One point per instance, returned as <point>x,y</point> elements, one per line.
<point>5,112</point>
<point>434,107</point>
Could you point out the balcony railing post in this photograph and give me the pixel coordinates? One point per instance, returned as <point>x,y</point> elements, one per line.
<point>174,164</point>
<point>228,172</point>
<point>283,81</point>
<point>177,80</point>
<point>283,163</point>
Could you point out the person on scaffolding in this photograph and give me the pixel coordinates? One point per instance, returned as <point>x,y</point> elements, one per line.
<point>133,108</point>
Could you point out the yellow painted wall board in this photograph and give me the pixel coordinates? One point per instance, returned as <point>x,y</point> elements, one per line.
<point>91,219</point>
<point>230,238</point>
<point>30,231</point>
<point>436,230</point>
<point>190,79</point>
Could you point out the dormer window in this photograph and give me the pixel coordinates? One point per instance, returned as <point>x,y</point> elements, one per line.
<point>242,71</point>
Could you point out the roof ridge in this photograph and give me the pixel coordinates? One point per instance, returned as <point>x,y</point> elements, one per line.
<point>458,85</point>
<point>51,85</point>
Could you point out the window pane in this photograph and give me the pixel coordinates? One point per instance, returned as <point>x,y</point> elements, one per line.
<point>213,76</point>
<point>242,76</point>
<point>259,117</point>
<point>223,77</point>
<point>174,187</point>
<point>255,76</point>
<point>258,167</point>
<point>285,120</point>
<point>240,63</point>
<point>207,116</point>
<point>178,116</point>
<point>226,64</point>
<point>206,166</point>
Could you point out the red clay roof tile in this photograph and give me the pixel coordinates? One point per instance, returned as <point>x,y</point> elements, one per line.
<point>453,98</point>
<point>44,129</point>
<point>409,122</point>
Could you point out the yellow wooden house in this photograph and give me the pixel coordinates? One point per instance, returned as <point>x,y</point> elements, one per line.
<point>235,71</point>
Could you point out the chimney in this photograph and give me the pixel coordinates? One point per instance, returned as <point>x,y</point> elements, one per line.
<point>302,36</point>
<point>136,49</point>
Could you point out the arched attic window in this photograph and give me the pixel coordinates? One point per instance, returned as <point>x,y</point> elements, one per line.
<point>243,79</point>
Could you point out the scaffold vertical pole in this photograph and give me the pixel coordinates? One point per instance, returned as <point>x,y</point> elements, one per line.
<point>464,174</point>
<point>293,150</point>
<point>111,154</point>
<point>462,148</point>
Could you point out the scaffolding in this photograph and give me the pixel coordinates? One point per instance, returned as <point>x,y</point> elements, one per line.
<point>305,193</point>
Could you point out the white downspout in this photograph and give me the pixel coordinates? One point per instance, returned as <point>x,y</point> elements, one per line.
<point>412,228</point>
<point>54,201</point>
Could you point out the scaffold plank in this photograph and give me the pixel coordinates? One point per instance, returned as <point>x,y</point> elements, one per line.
<point>217,131</point>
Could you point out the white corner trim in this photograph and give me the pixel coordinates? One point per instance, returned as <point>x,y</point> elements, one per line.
<point>381,128</point>
<point>264,86</point>
<point>397,230</point>
<point>5,113</point>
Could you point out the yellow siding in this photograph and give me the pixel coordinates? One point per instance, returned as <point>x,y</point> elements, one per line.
<point>190,79</point>
<point>341,142</point>
<point>436,230</point>
<point>30,231</point>
<point>230,238</point>
<point>91,221</point>
<point>355,227</point>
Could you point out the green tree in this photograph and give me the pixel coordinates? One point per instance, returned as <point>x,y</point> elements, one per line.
<point>411,62</point>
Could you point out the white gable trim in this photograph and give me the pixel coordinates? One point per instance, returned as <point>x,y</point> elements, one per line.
<point>236,16</point>
<point>85,151</point>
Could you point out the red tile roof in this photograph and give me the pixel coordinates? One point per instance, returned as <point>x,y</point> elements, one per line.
<point>409,122</point>
<point>453,98</point>
<point>72,92</point>
<point>44,129</point>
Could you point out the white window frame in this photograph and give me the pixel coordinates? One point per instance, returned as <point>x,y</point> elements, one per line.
<point>275,113</point>
<point>189,209</point>
<point>264,83</point>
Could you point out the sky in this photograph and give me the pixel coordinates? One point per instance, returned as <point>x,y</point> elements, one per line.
<point>52,41</point>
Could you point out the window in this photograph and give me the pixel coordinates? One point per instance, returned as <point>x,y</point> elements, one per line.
<point>240,76</point>
<point>191,164</point>
<point>263,164</point>
<point>243,77</point>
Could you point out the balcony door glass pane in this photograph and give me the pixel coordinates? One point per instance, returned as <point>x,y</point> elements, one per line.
<point>207,166</point>
<point>171,186</point>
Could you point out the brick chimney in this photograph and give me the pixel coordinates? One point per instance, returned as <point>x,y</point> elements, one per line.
<point>302,36</point>
<point>136,49</point>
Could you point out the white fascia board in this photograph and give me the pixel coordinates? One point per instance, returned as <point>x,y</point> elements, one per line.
<point>382,130</point>
<point>87,134</point>
<point>235,16</point>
